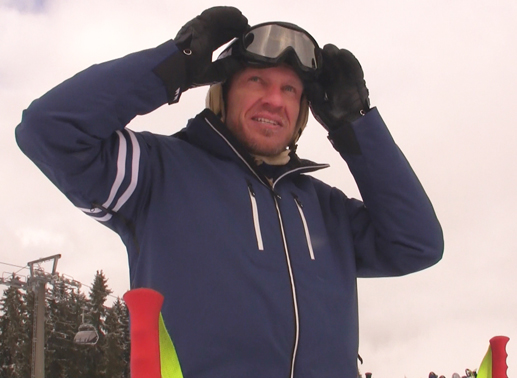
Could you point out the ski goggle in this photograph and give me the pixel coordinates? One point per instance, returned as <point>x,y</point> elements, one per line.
<point>273,43</point>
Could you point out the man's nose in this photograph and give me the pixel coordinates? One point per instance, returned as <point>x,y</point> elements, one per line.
<point>274,96</point>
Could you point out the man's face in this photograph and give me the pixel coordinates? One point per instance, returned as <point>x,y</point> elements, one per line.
<point>262,108</point>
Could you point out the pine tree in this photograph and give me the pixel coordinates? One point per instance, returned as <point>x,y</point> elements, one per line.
<point>54,331</point>
<point>116,359</point>
<point>12,337</point>
<point>96,316</point>
<point>126,339</point>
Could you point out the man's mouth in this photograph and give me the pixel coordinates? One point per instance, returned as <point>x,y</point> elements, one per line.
<point>266,120</point>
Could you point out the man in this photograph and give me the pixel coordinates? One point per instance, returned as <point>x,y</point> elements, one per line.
<point>257,261</point>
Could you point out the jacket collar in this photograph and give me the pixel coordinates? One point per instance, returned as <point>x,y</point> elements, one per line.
<point>208,132</point>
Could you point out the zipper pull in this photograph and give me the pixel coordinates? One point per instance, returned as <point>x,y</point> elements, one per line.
<point>256,222</point>
<point>276,195</point>
<point>305,225</point>
<point>250,187</point>
<point>298,201</point>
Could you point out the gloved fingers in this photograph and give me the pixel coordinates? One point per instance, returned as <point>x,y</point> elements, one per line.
<point>330,67</point>
<point>353,67</point>
<point>355,77</point>
<point>329,55</point>
<point>320,112</point>
<point>319,103</point>
<point>220,70</point>
<point>224,24</point>
<point>211,29</point>
<point>340,94</point>
<point>315,92</point>
<point>339,63</point>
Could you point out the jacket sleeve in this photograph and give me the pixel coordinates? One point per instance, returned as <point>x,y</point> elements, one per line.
<point>395,228</point>
<point>76,134</point>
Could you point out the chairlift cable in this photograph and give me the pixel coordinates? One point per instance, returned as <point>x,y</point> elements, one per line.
<point>16,266</point>
<point>26,267</point>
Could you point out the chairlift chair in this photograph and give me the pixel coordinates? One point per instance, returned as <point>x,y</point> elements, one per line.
<point>86,335</point>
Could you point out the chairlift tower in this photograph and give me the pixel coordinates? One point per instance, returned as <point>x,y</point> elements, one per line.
<point>38,280</point>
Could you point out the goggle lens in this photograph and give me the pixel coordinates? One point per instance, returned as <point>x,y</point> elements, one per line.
<point>272,40</point>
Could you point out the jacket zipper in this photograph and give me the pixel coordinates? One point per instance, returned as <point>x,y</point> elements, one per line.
<point>276,197</point>
<point>256,221</point>
<point>258,233</point>
<point>305,226</point>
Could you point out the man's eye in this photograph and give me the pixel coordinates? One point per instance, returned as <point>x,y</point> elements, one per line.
<point>254,78</point>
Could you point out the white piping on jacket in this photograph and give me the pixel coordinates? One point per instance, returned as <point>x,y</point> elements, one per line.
<point>301,169</point>
<point>234,150</point>
<point>256,221</point>
<point>305,226</point>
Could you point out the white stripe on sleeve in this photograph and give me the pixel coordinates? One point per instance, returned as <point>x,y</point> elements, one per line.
<point>135,164</point>
<point>121,174</point>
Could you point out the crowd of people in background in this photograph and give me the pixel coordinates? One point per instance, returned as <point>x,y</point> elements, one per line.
<point>468,374</point>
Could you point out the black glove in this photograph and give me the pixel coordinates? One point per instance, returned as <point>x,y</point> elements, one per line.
<point>197,40</point>
<point>200,37</point>
<point>339,96</point>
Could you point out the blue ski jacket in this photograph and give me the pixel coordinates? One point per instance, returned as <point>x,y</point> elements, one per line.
<point>259,277</point>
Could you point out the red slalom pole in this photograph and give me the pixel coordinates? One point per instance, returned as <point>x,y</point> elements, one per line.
<point>499,366</point>
<point>144,307</point>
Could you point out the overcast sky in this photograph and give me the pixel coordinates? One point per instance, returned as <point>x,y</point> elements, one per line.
<point>443,74</point>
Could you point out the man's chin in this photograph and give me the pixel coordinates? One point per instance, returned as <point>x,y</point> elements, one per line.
<point>262,145</point>
<point>266,152</point>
